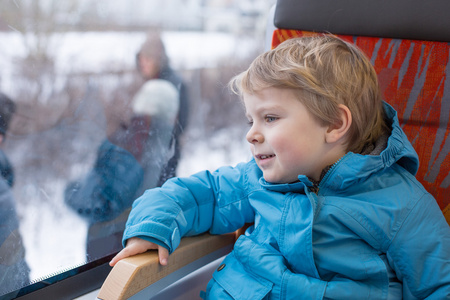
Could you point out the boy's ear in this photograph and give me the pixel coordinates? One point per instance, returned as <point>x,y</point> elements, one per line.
<point>338,130</point>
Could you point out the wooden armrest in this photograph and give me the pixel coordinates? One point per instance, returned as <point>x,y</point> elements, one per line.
<point>133,274</point>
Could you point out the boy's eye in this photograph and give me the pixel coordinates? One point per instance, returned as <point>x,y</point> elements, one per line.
<point>250,123</point>
<point>270,119</point>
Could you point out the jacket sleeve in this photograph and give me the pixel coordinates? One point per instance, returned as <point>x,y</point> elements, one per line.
<point>216,202</point>
<point>420,252</point>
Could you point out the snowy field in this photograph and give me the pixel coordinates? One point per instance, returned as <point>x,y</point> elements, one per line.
<point>56,241</point>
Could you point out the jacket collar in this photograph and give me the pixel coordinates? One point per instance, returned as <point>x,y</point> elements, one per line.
<point>297,187</point>
<point>354,167</point>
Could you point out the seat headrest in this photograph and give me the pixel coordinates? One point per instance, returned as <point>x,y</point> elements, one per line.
<point>402,19</point>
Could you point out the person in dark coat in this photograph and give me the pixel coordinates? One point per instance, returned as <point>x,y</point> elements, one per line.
<point>153,63</point>
<point>14,271</point>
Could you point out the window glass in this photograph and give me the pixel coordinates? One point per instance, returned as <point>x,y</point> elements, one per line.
<point>101,100</point>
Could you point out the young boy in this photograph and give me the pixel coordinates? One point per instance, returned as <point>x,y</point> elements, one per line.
<point>331,191</point>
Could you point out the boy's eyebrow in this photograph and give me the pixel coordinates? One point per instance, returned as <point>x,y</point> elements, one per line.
<point>264,109</point>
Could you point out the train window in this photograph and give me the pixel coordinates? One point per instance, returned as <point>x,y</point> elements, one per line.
<point>101,100</point>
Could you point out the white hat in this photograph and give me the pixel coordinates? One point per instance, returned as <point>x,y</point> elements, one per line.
<point>157,97</point>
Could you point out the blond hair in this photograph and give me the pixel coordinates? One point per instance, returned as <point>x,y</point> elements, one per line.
<point>324,71</point>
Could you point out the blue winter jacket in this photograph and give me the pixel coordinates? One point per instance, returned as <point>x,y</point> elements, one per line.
<point>371,231</point>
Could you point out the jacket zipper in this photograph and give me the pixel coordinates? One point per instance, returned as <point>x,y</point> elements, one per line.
<point>316,187</point>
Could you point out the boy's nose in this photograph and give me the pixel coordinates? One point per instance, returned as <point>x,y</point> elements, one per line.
<point>253,136</point>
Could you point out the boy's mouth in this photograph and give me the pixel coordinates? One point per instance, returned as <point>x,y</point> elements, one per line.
<point>264,156</point>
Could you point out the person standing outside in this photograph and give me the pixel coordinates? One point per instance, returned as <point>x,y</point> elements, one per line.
<point>153,63</point>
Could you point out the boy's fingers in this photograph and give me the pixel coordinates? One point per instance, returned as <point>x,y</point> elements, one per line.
<point>125,252</point>
<point>163,254</point>
<point>116,258</point>
<point>136,246</point>
<point>130,250</point>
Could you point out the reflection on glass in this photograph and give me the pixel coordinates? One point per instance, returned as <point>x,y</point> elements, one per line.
<point>94,127</point>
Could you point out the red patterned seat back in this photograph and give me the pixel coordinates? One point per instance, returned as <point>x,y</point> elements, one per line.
<point>414,78</point>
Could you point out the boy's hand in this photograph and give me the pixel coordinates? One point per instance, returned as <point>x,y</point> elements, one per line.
<point>135,246</point>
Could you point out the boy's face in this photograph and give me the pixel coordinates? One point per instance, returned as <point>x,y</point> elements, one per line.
<point>286,140</point>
